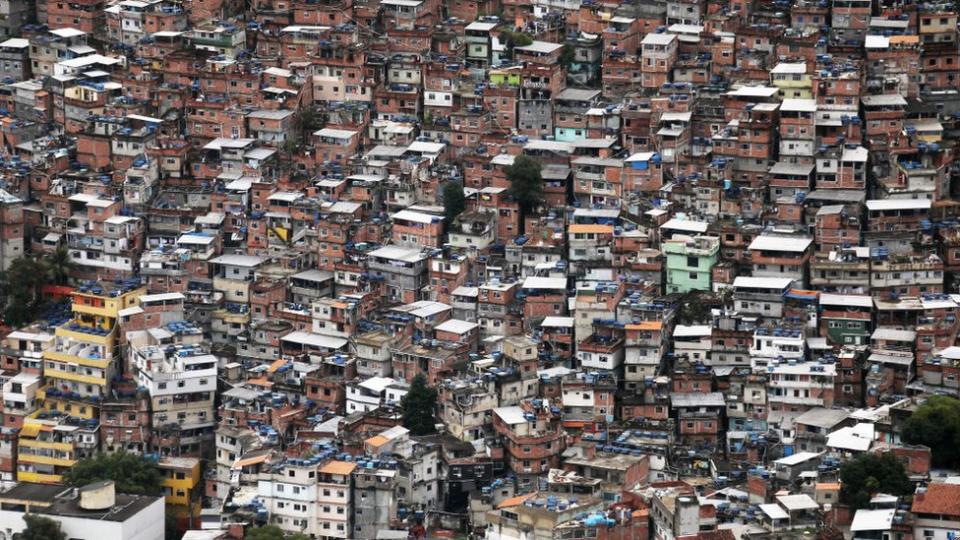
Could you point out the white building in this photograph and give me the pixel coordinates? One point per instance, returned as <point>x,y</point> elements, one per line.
<point>369,394</point>
<point>936,512</point>
<point>693,342</point>
<point>760,296</point>
<point>795,387</point>
<point>335,499</point>
<point>780,256</point>
<point>778,342</point>
<point>290,496</point>
<point>93,512</point>
<point>182,383</point>
<point>20,394</point>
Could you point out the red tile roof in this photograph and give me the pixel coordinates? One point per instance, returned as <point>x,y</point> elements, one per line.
<point>939,499</point>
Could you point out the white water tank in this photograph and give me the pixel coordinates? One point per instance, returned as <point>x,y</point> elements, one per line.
<point>98,495</point>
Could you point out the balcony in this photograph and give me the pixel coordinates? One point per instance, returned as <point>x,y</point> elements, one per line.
<point>232,314</point>
<point>18,406</point>
<point>22,353</point>
<point>583,174</point>
<point>165,270</point>
<point>54,394</point>
<point>55,461</point>
<point>600,344</point>
<point>75,377</point>
<point>39,478</point>
<point>99,311</point>
<point>83,336</point>
<point>796,400</point>
<point>221,42</point>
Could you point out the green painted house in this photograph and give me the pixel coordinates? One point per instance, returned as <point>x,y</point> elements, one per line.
<point>846,319</point>
<point>690,260</point>
<point>506,77</point>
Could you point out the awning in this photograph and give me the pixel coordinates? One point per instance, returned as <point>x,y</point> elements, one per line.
<point>276,365</point>
<point>515,501</point>
<point>30,430</point>
<point>246,462</point>
<point>804,295</point>
<point>376,441</point>
<point>260,381</point>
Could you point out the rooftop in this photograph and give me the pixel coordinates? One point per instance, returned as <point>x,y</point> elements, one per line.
<point>937,498</point>
<point>58,500</point>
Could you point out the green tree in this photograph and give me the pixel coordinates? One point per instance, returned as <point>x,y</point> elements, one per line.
<point>526,184</point>
<point>171,530</point>
<point>513,39</point>
<point>272,532</point>
<point>695,307</point>
<point>419,407</point>
<point>131,473</point>
<point>58,265</point>
<point>19,311</point>
<point>41,528</point>
<point>726,297</point>
<point>23,283</point>
<point>868,474</point>
<point>830,532</point>
<point>567,56</point>
<point>290,147</point>
<point>307,121</point>
<point>936,423</point>
<point>454,201</point>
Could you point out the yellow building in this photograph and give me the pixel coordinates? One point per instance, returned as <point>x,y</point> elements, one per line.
<point>47,447</point>
<point>927,130</point>
<point>181,484</point>
<point>510,76</point>
<point>83,358</point>
<point>939,22</point>
<point>78,367</point>
<point>792,80</point>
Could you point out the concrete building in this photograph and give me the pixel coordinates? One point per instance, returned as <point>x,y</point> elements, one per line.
<point>935,512</point>
<point>87,513</point>
<point>690,261</point>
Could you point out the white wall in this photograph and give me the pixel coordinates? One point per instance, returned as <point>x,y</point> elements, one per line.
<point>148,524</point>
